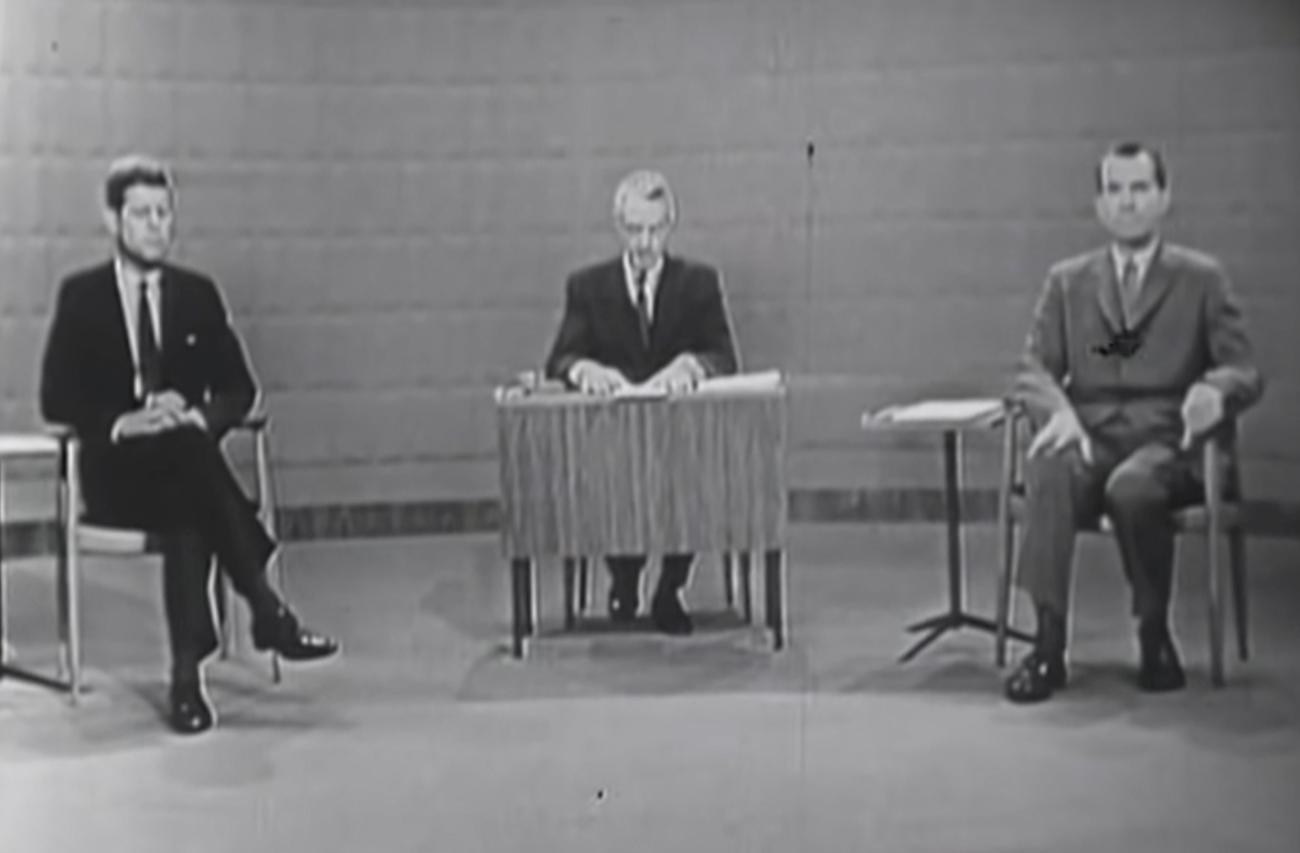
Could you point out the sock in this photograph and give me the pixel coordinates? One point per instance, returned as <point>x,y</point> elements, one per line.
<point>1051,632</point>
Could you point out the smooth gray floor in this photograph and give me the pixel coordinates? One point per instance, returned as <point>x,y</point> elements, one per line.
<point>425,736</point>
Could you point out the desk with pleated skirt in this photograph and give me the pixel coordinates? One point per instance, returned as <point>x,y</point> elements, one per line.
<point>583,477</point>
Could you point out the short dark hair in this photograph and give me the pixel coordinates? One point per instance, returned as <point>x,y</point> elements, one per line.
<point>129,171</point>
<point>1132,148</point>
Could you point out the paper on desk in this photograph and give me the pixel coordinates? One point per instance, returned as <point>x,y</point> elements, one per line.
<point>640,392</point>
<point>941,411</point>
<point>764,380</point>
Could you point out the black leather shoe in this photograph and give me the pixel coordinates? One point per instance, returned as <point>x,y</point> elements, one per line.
<point>283,634</point>
<point>1160,670</point>
<point>624,602</point>
<point>189,712</point>
<point>668,615</point>
<point>1036,678</point>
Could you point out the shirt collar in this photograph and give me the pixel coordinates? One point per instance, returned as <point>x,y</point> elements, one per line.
<point>1143,257</point>
<point>129,278</point>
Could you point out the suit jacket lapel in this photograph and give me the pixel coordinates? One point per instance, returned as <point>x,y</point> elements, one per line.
<point>618,306</point>
<point>1108,291</point>
<point>167,310</point>
<point>1158,281</point>
<point>110,307</point>
<point>667,303</point>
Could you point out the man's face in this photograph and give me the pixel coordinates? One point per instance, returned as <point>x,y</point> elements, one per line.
<point>143,227</point>
<point>1129,202</point>
<point>643,226</point>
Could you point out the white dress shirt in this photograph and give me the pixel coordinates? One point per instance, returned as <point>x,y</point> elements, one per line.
<point>651,284</point>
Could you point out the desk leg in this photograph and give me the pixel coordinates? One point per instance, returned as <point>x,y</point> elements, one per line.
<point>4,645</point>
<point>746,584</point>
<point>570,570</point>
<point>520,569</point>
<point>775,595</point>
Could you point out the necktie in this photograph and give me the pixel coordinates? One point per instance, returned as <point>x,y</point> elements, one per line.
<point>642,307</point>
<point>149,356</point>
<point>1128,290</point>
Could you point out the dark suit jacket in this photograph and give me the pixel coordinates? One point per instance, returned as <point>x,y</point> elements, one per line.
<point>88,377</point>
<point>600,322</point>
<point>1191,328</point>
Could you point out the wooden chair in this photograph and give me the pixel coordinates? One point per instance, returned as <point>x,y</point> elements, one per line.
<point>134,543</point>
<point>1219,515</point>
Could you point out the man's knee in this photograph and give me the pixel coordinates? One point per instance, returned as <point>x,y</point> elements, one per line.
<point>1134,491</point>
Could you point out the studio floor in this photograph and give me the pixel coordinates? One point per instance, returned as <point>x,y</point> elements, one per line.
<point>426,736</point>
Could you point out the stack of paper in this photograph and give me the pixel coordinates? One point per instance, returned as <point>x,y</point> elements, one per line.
<point>964,411</point>
<point>766,380</point>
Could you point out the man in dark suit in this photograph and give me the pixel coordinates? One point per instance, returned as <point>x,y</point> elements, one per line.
<point>644,318</point>
<point>1137,350</point>
<point>142,363</point>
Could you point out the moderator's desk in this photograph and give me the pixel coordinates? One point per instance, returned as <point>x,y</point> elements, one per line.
<point>584,477</point>
<point>16,446</point>
<point>950,418</point>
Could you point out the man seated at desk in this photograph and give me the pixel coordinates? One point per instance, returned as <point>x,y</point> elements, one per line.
<point>648,319</point>
<point>1136,351</point>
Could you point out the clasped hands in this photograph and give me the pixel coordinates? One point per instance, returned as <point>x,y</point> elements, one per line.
<point>680,375</point>
<point>1202,409</point>
<point>162,411</point>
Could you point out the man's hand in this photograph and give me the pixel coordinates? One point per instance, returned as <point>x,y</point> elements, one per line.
<point>1062,430</point>
<point>172,401</point>
<point>1202,410</point>
<point>680,375</point>
<point>594,378</point>
<point>150,420</point>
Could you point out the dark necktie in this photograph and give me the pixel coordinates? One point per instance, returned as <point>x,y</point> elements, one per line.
<point>149,356</point>
<point>642,307</point>
<point>1128,291</point>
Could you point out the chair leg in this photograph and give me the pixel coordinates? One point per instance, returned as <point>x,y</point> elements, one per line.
<point>1237,567</point>
<point>221,604</point>
<point>1006,542</point>
<point>584,586</point>
<point>728,580</point>
<point>1215,606</point>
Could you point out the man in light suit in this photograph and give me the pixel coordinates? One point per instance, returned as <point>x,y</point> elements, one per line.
<point>1137,350</point>
<point>142,363</point>
<point>644,318</point>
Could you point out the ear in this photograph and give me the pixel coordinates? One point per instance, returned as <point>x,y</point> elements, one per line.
<point>1166,195</point>
<point>112,220</point>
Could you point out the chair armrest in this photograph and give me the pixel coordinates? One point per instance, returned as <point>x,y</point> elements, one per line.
<point>62,432</point>
<point>254,421</point>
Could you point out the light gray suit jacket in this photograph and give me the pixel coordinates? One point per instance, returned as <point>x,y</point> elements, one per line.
<point>1190,327</point>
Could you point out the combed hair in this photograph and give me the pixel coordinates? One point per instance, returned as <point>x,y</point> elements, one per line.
<point>126,172</point>
<point>649,185</point>
<point>1132,148</point>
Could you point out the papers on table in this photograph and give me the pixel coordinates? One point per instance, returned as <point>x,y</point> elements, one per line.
<point>763,380</point>
<point>957,412</point>
<point>757,382</point>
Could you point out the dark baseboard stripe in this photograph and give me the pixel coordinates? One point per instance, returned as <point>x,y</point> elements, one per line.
<point>1269,518</point>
